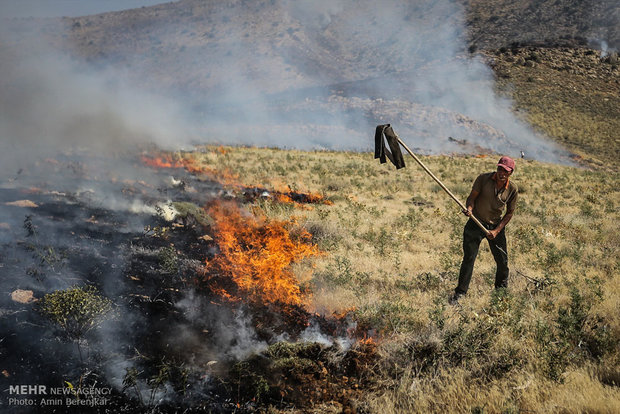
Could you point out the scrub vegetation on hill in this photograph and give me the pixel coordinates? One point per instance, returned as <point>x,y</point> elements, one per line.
<point>571,95</point>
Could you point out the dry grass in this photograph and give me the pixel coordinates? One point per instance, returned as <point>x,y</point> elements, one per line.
<point>393,240</point>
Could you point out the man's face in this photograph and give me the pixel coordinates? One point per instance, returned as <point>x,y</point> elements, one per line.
<point>502,174</point>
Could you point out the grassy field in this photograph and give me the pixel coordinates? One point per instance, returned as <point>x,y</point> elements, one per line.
<point>393,247</point>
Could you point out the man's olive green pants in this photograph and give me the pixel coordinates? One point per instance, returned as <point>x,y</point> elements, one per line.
<point>472,236</point>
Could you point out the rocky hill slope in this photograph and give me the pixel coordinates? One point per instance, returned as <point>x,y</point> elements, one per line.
<point>496,23</point>
<point>571,94</point>
<point>323,73</point>
<point>190,42</point>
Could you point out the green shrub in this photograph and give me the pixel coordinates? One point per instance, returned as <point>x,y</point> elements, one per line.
<point>427,281</point>
<point>76,310</point>
<point>170,372</point>
<point>168,260</point>
<point>574,336</point>
<point>437,312</point>
<point>188,211</point>
<point>389,316</point>
<point>466,342</point>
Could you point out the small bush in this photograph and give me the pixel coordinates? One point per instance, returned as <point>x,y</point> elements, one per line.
<point>389,316</point>
<point>156,378</point>
<point>467,342</point>
<point>76,310</point>
<point>428,281</point>
<point>168,260</point>
<point>190,212</point>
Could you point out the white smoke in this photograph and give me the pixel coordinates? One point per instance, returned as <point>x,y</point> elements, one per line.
<point>343,67</point>
<point>53,104</point>
<point>285,74</point>
<point>232,335</point>
<point>419,49</point>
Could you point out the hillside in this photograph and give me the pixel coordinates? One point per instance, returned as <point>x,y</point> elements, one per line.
<point>571,94</point>
<point>393,242</point>
<point>324,75</point>
<point>499,23</point>
<point>186,36</point>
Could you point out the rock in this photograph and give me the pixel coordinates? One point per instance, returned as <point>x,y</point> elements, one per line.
<point>167,211</point>
<point>23,296</point>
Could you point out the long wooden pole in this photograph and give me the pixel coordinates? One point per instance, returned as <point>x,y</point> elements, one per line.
<point>438,181</point>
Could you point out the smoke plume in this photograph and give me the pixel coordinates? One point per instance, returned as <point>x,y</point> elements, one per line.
<point>360,64</point>
<point>51,103</point>
<point>291,74</point>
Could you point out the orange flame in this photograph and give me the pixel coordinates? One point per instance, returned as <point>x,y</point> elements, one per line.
<point>283,198</point>
<point>367,340</point>
<point>164,161</point>
<point>226,177</point>
<point>256,254</point>
<point>192,165</point>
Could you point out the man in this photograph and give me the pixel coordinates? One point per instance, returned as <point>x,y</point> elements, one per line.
<point>490,194</point>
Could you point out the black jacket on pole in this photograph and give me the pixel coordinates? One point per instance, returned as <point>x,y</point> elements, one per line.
<point>381,151</point>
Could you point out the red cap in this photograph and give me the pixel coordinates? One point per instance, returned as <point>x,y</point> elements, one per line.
<point>506,163</point>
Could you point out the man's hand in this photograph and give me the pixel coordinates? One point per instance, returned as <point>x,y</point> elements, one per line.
<point>492,234</point>
<point>467,211</point>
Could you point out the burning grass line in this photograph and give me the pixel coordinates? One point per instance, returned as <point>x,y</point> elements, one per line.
<point>191,165</point>
<point>254,257</point>
<point>228,179</point>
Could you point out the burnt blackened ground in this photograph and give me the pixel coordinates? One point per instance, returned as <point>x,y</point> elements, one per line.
<point>65,240</point>
<point>170,344</point>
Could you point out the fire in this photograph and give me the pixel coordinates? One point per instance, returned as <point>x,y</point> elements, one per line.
<point>192,165</point>
<point>300,200</point>
<point>164,161</point>
<point>367,340</point>
<point>310,198</point>
<point>283,198</point>
<point>255,254</point>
